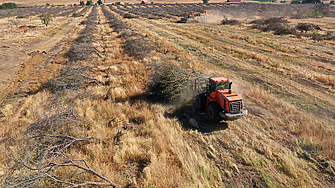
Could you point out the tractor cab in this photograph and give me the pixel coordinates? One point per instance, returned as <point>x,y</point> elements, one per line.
<point>219,83</point>
<point>219,100</point>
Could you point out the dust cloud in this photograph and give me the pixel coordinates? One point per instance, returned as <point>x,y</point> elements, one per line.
<point>237,87</point>
<point>212,17</point>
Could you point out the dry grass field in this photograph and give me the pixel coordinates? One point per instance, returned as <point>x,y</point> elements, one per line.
<point>78,107</point>
<point>67,2</point>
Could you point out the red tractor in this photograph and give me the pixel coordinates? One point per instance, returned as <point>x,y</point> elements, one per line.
<point>219,100</point>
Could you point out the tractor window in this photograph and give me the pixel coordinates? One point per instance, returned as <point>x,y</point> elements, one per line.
<point>212,86</point>
<point>222,86</point>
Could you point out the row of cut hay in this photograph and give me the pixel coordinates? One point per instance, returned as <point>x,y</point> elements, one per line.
<point>45,156</point>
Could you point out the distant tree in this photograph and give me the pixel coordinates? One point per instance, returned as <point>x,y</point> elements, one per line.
<point>295,2</point>
<point>311,1</point>
<point>8,6</point>
<point>89,2</point>
<point>48,4</point>
<point>46,18</point>
<point>99,2</point>
<point>205,1</point>
<point>82,3</point>
<point>332,2</point>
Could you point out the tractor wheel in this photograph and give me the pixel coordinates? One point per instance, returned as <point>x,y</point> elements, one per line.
<point>201,101</point>
<point>213,112</point>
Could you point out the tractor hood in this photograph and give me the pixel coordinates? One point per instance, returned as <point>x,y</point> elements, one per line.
<point>229,96</point>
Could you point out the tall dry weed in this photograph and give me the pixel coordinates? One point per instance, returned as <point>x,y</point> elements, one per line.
<point>326,79</point>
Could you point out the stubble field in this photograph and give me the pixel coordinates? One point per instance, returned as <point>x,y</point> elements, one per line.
<point>77,105</point>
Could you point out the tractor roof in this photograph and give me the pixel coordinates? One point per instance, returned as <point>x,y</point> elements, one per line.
<point>219,79</point>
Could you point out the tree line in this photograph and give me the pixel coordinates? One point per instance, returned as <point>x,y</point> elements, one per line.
<point>8,6</point>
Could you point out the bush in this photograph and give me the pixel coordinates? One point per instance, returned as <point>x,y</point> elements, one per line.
<point>332,2</point>
<point>263,22</point>
<point>279,29</point>
<point>316,14</point>
<point>168,83</point>
<point>46,18</point>
<point>138,48</point>
<point>76,15</point>
<point>311,1</point>
<point>8,6</point>
<point>230,22</point>
<point>295,2</point>
<point>304,27</point>
<point>82,3</point>
<point>278,25</point>
<point>127,15</point>
<point>89,2</point>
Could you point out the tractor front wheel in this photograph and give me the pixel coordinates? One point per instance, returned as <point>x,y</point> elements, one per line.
<point>213,113</point>
<point>201,101</point>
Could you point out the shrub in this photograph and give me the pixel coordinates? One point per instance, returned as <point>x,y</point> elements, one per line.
<point>182,20</point>
<point>138,48</point>
<point>304,27</point>
<point>89,2</point>
<point>311,1</point>
<point>332,2</point>
<point>46,18</point>
<point>168,82</point>
<point>295,2</point>
<point>127,15</point>
<point>76,15</point>
<point>279,29</point>
<point>82,3</point>
<point>8,6</point>
<point>316,14</point>
<point>269,21</point>
<point>205,1</point>
<point>278,25</point>
<point>230,22</point>
<point>99,2</point>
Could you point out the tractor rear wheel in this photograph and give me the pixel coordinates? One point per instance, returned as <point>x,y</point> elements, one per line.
<point>201,101</point>
<point>214,113</point>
